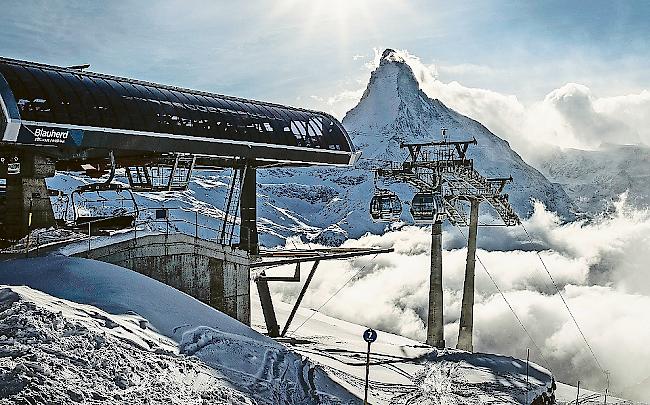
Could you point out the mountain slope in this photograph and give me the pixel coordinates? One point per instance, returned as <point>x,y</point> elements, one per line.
<point>594,179</point>
<point>132,308</point>
<point>393,109</point>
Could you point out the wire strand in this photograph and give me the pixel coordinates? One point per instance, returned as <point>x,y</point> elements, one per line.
<point>530,337</point>
<point>335,293</point>
<point>566,304</point>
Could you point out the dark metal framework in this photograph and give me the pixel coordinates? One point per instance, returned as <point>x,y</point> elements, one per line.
<point>273,258</point>
<point>66,107</point>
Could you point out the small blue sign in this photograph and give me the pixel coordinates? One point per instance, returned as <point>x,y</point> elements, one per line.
<point>369,335</point>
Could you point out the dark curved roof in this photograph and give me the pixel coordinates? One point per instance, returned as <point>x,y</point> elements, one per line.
<point>114,112</point>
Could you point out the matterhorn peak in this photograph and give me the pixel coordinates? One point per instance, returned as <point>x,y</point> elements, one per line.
<point>391,55</point>
<point>391,91</point>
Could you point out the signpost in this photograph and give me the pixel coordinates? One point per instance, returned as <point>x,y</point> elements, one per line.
<point>369,336</point>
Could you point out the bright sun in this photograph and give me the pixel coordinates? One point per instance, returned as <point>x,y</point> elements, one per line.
<point>334,17</point>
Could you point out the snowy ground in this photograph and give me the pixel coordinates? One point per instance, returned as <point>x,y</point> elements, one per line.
<point>57,351</point>
<point>249,366</point>
<point>404,371</point>
<point>98,333</point>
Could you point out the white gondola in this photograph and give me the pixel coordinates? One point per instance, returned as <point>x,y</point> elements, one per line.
<point>385,206</point>
<point>425,208</point>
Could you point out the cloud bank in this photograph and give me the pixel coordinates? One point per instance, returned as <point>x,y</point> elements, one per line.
<point>598,265</point>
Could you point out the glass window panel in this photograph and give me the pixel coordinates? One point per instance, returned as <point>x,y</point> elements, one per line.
<point>226,119</point>
<point>135,98</point>
<point>181,120</point>
<point>282,127</point>
<point>131,107</point>
<point>167,115</point>
<point>85,110</point>
<point>37,103</point>
<point>22,96</point>
<point>151,101</point>
<point>121,117</point>
<point>206,116</point>
<point>102,104</point>
<point>56,100</point>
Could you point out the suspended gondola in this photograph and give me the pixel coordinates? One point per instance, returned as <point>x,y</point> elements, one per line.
<point>425,208</point>
<point>385,206</point>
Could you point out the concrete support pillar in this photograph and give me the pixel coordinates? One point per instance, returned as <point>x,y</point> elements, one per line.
<point>435,325</point>
<point>248,238</point>
<point>467,308</point>
<point>27,203</point>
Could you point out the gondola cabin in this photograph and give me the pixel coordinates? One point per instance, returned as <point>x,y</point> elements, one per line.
<point>385,206</point>
<point>424,208</point>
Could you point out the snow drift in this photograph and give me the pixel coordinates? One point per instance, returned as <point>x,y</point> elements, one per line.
<point>256,368</point>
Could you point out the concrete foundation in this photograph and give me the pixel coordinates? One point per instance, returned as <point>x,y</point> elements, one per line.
<point>26,201</point>
<point>435,325</point>
<point>215,274</point>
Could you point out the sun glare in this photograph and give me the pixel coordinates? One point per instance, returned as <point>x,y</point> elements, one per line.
<point>334,19</point>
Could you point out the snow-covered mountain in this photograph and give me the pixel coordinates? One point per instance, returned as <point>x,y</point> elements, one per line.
<point>331,205</point>
<point>594,179</point>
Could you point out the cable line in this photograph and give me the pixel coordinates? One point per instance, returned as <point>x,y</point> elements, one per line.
<point>541,354</point>
<point>565,304</point>
<point>336,292</point>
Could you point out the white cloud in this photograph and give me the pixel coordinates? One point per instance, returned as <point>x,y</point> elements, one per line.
<point>597,265</point>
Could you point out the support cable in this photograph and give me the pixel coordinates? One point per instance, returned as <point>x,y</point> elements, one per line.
<point>530,337</point>
<point>335,293</point>
<point>566,304</point>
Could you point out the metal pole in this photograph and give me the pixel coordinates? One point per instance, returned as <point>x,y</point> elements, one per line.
<point>435,326</point>
<point>272,327</point>
<point>606,389</point>
<point>300,297</point>
<point>466,324</point>
<point>196,223</point>
<point>527,360</point>
<point>88,238</point>
<point>578,394</point>
<point>29,228</point>
<point>365,397</point>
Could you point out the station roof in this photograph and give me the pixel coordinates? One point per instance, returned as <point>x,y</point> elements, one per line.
<point>72,109</point>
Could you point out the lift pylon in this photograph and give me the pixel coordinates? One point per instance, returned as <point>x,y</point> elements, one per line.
<point>445,182</point>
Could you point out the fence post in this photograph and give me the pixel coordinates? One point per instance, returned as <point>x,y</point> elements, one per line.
<point>527,385</point>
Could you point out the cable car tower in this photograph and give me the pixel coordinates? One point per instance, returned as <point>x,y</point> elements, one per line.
<point>446,181</point>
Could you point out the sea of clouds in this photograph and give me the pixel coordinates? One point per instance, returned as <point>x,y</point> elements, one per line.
<point>600,266</point>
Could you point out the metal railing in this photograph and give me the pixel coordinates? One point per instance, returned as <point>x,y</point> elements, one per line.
<point>162,219</point>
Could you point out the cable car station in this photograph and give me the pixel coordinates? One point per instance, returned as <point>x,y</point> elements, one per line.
<point>66,118</point>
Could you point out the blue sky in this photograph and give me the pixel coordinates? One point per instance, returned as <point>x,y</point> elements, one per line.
<point>303,52</point>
